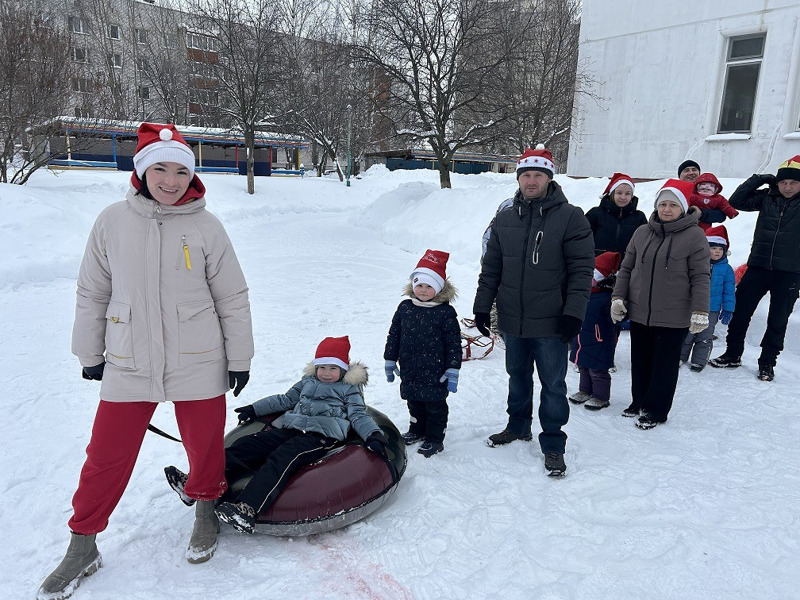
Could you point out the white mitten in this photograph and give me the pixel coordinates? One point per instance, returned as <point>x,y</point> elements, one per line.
<point>698,322</point>
<point>618,310</point>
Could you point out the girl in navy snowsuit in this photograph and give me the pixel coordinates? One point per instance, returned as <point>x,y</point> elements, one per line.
<point>425,339</point>
<point>593,349</point>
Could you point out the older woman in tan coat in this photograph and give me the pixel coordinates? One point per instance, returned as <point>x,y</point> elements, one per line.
<point>162,315</point>
<point>663,286</point>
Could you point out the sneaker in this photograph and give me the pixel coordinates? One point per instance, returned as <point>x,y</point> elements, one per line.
<point>595,403</point>
<point>646,422</point>
<point>766,372</point>
<point>241,516</point>
<point>631,411</point>
<point>411,438</point>
<point>428,449</point>
<point>579,397</point>
<point>177,481</point>
<point>696,368</point>
<point>726,361</point>
<point>554,464</point>
<point>506,437</point>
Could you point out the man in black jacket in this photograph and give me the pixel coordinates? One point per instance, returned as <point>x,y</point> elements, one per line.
<point>773,265</point>
<point>537,265</point>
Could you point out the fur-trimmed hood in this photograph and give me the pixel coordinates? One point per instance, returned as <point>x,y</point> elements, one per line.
<point>355,375</point>
<point>448,294</point>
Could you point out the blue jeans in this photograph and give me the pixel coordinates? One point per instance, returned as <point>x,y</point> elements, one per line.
<point>549,354</point>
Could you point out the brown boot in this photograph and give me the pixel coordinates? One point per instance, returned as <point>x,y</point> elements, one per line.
<point>203,542</point>
<point>81,560</point>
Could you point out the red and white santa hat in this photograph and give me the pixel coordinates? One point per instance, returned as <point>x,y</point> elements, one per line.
<point>677,191</point>
<point>538,159</point>
<point>334,351</point>
<point>605,264</point>
<point>718,236</point>
<point>617,179</point>
<point>431,269</point>
<point>161,143</point>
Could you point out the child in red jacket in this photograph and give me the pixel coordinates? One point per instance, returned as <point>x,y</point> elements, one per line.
<point>706,195</point>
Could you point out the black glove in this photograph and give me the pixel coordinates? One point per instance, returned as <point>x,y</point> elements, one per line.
<point>376,442</point>
<point>569,327</point>
<point>95,372</point>
<point>247,414</point>
<point>767,178</point>
<point>237,380</point>
<point>483,321</point>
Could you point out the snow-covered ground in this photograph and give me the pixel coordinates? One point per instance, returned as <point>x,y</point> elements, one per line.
<point>704,507</point>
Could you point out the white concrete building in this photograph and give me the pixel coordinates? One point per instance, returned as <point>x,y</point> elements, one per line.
<point>716,81</point>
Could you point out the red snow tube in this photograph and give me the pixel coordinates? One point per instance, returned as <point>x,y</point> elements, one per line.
<point>346,485</point>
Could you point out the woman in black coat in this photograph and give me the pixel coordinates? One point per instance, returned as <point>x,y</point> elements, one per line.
<point>615,220</point>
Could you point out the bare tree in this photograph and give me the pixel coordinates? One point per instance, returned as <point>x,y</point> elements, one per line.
<point>248,70</point>
<point>35,83</point>
<point>441,60</point>
<point>163,67</point>
<point>542,73</point>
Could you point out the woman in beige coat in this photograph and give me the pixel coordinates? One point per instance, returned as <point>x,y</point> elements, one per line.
<point>663,286</point>
<point>162,315</point>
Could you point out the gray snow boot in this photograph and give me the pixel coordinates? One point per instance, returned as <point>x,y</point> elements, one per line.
<point>203,542</point>
<point>81,560</point>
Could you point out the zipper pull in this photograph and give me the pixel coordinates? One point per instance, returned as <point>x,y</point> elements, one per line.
<point>186,253</point>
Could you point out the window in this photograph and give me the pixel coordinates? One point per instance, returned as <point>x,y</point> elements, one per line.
<point>141,36</point>
<point>144,92</point>
<point>114,32</point>
<point>80,55</point>
<point>743,63</point>
<point>83,113</point>
<point>81,84</point>
<point>201,42</point>
<point>202,69</point>
<point>170,42</point>
<point>77,25</point>
<point>142,66</point>
<point>201,96</point>
<point>115,60</point>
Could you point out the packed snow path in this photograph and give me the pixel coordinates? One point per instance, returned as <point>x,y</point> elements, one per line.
<point>703,507</point>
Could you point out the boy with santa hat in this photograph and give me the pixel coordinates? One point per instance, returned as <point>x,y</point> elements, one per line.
<point>722,301</point>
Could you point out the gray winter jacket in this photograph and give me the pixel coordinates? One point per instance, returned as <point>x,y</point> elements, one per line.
<point>538,264</point>
<point>325,408</point>
<point>162,299</point>
<point>666,273</point>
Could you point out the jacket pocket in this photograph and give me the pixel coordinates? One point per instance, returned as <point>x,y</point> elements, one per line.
<point>199,331</point>
<point>119,336</point>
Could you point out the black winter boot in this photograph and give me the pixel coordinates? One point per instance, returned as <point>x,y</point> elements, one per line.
<point>177,481</point>
<point>766,372</point>
<point>239,515</point>
<point>726,361</point>
<point>506,437</point>
<point>554,464</point>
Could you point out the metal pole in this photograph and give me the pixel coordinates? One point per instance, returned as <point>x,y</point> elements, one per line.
<point>349,127</point>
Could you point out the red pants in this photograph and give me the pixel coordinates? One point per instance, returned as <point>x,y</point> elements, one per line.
<point>117,435</point>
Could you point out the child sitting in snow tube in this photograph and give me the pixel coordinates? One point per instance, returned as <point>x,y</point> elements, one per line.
<point>331,489</point>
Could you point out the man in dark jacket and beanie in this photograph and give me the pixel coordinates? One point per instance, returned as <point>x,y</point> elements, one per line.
<point>773,265</point>
<point>537,265</point>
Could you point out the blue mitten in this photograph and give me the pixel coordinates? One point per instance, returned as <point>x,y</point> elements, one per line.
<point>390,367</point>
<point>725,316</point>
<point>451,376</point>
